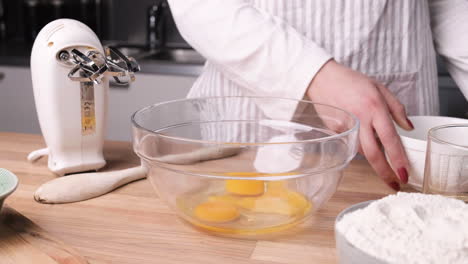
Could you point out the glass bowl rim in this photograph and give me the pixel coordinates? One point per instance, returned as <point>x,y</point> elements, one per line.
<point>335,136</point>
<point>430,134</point>
<point>267,177</point>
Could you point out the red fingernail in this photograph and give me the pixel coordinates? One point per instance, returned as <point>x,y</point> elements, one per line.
<point>395,186</point>
<point>410,123</point>
<point>403,174</point>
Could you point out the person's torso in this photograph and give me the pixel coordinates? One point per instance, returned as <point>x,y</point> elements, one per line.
<point>371,36</point>
<point>389,40</point>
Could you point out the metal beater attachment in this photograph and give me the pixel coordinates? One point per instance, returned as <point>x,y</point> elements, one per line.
<point>121,67</point>
<point>92,66</point>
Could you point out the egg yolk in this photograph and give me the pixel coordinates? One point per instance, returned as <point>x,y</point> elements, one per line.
<point>253,187</point>
<point>216,211</point>
<point>245,187</point>
<point>277,199</point>
<point>253,195</point>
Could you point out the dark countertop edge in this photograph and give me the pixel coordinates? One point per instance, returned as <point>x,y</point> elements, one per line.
<point>147,66</point>
<point>167,68</point>
<point>170,68</point>
<point>190,70</point>
<point>17,54</point>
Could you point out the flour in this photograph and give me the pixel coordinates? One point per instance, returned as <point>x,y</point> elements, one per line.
<point>410,228</point>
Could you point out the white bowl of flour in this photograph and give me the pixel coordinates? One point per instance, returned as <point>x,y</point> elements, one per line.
<point>407,228</point>
<point>415,143</point>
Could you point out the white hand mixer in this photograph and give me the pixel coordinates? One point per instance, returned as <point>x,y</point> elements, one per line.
<point>70,74</point>
<point>70,80</point>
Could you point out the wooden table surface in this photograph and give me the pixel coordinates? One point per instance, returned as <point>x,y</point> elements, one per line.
<point>132,225</point>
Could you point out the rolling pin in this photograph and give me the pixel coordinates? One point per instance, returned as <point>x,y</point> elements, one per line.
<point>84,186</point>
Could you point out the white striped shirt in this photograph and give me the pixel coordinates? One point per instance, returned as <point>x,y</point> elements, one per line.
<point>275,47</point>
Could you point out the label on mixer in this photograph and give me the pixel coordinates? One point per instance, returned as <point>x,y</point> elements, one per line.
<point>88,117</point>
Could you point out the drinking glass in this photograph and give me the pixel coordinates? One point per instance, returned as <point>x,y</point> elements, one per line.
<point>446,169</point>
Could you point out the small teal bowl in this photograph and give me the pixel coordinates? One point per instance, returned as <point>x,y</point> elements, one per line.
<point>8,184</point>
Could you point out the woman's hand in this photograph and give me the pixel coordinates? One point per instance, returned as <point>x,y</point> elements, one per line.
<point>375,106</point>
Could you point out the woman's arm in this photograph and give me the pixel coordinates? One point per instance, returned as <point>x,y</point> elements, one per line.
<point>449,21</point>
<point>252,48</point>
<point>268,57</point>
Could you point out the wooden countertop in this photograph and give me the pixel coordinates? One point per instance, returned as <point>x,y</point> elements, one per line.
<point>131,225</point>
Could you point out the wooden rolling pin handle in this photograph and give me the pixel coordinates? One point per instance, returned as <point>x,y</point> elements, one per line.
<point>79,187</point>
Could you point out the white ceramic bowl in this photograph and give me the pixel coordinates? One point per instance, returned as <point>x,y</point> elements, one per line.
<point>415,144</point>
<point>347,252</point>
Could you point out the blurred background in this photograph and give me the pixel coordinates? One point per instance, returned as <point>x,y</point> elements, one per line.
<point>116,20</point>
<point>143,29</point>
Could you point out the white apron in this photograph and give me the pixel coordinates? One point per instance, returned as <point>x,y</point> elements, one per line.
<point>390,41</point>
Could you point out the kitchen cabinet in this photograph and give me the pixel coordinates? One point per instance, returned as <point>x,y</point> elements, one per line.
<point>18,112</point>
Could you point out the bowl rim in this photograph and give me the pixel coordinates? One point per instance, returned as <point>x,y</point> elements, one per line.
<point>414,118</point>
<point>12,188</point>
<point>335,136</point>
<point>345,241</point>
<point>352,208</point>
<point>430,135</point>
<point>261,177</point>
<point>418,144</point>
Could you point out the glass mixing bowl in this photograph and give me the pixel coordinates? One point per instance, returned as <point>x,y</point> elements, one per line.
<point>244,166</point>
